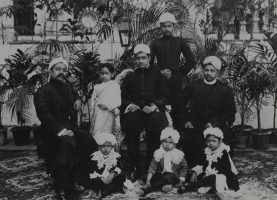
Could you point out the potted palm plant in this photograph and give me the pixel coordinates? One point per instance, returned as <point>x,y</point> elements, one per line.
<point>261,79</point>
<point>83,77</point>
<point>271,38</point>
<point>18,89</point>
<point>237,70</point>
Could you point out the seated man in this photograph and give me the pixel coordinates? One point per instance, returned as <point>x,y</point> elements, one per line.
<point>68,148</point>
<point>144,96</point>
<point>211,105</point>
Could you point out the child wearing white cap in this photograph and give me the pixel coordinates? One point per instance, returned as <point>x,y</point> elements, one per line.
<point>168,166</point>
<point>216,168</point>
<point>105,171</point>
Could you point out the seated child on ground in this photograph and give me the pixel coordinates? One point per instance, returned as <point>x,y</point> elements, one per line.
<point>168,166</point>
<point>216,169</point>
<point>105,171</point>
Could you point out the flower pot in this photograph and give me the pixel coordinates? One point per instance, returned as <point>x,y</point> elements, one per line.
<point>242,137</point>
<point>273,137</point>
<point>241,141</point>
<point>260,139</point>
<point>37,136</point>
<point>3,136</point>
<point>21,135</point>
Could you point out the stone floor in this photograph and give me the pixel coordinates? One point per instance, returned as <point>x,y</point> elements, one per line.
<point>22,176</point>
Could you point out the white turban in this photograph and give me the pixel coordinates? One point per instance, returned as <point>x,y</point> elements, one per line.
<point>213,131</point>
<point>214,61</point>
<point>101,138</point>
<point>56,61</point>
<point>170,132</point>
<point>167,17</point>
<point>141,48</point>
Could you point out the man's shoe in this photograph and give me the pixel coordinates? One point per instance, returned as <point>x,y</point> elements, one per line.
<point>167,188</point>
<point>60,195</point>
<point>78,188</point>
<point>136,174</point>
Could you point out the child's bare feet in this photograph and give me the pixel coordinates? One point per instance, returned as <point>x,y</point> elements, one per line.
<point>140,192</point>
<point>167,188</point>
<point>204,190</point>
<point>99,195</point>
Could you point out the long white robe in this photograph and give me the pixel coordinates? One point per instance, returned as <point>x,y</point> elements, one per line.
<point>109,94</point>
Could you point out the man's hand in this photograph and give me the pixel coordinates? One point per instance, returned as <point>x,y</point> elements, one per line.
<point>105,180</point>
<point>208,125</point>
<point>193,177</point>
<point>69,133</point>
<point>180,184</point>
<point>166,73</point>
<point>78,105</point>
<point>133,107</point>
<point>102,106</point>
<point>188,125</point>
<point>148,109</point>
<point>147,184</point>
<point>111,176</point>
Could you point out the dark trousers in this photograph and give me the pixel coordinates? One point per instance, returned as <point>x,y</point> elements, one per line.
<point>97,185</point>
<point>154,123</point>
<point>192,143</point>
<point>69,159</point>
<point>159,180</point>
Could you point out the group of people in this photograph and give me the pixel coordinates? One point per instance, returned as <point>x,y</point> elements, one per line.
<point>191,154</point>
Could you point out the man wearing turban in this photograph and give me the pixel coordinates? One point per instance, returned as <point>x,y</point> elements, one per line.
<point>67,148</point>
<point>167,51</point>
<point>211,104</point>
<point>144,97</point>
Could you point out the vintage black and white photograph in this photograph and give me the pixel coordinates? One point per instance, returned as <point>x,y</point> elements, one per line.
<point>138,99</point>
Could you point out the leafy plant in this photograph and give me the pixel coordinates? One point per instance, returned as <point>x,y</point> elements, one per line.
<point>20,82</point>
<point>260,78</point>
<point>84,75</point>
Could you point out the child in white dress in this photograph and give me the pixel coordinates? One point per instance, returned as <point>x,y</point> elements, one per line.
<point>105,98</point>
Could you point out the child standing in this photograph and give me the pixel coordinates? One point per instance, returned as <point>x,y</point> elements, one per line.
<point>216,169</point>
<point>105,98</point>
<point>168,166</point>
<point>105,171</point>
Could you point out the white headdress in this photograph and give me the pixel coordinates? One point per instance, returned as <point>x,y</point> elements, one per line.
<point>141,48</point>
<point>214,61</point>
<point>170,132</point>
<point>56,61</point>
<point>101,138</point>
<point>213,131</point>
<point>167,17</point>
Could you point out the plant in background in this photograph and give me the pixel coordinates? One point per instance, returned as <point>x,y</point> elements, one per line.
<point>238,67</point>
<point>20,82</point>
<point>262,76</point>
<point>84,75</point>
<point>271,38</point>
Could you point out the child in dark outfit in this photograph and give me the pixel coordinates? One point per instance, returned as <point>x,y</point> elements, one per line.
<point>216,169</point>
<point>168,166</point>
<point>105,172</point>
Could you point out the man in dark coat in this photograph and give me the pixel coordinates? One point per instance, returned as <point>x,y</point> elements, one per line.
<point>211,105</point>
<point>67,148</point>
<point>144,96</point>
<point>167,50</point>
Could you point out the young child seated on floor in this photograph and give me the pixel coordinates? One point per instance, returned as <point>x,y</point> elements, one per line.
<point>105,171</point>
<point>216,168</point>
<point>168,166</point>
